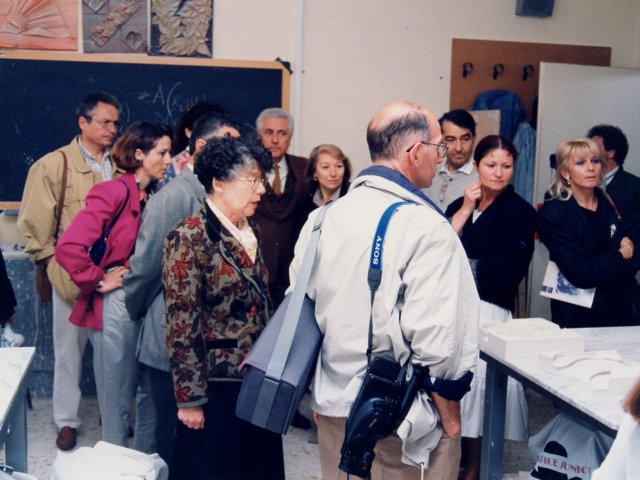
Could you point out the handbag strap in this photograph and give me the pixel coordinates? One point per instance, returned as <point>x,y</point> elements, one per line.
<point>63,189</point>
<point>273,373</point>
<point>608,197</point>
<point>292,314</point>
<point>118,213</point>
<point>374,276</point>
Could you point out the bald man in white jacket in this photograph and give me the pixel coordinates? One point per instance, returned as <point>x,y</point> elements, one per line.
<point>426,306</point>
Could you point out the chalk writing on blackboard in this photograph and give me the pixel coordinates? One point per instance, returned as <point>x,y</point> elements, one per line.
<point>41,108</point>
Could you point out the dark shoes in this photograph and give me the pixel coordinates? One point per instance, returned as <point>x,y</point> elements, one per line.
<point>300,421</point>
<point>66,438</point>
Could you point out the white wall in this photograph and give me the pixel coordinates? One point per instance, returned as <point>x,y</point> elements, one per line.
<point>360,54</point>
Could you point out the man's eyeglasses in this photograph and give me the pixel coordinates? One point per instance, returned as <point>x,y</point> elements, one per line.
<point>106,123</point>
<point>253,182</point>
<point>442,148</point>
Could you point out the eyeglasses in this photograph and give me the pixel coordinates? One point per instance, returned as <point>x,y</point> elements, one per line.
<point>106,123</point>
<point>442,148</point>
<point>275,133</point>
<point>253,182</point>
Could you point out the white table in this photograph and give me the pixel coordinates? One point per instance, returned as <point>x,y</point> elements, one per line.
<point>15,366</point>
<point>602,412</point>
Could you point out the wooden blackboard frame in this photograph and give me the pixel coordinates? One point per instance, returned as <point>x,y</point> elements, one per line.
<point>146,60</point>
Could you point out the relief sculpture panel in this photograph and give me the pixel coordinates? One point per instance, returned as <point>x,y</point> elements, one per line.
<point>39,24</point>
<point>114,26</point>
<point>182,28</point>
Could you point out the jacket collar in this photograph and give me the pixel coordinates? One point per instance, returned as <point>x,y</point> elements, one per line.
<point>193,181</point>
<point>231,250</point>
<point>496,206</point>
<point>467,168</point>
<point>396,183</point>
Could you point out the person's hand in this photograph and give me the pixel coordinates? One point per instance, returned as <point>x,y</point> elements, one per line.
<point>626,248</point>
<point>192,417</point>
<point>449,411</point>
<point>112,280</point>
<point>4,321</point>
<point>472,194</point>
<point>315,416</point>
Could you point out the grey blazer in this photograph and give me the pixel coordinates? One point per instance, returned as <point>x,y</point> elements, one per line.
<point>142,284</point>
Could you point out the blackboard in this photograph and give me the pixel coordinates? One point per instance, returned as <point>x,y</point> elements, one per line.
<point>38,97</point>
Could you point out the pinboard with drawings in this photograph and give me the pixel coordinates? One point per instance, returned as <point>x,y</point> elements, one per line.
<point>39,94</point>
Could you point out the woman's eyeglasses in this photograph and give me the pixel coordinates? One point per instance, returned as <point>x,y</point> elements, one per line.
<point>253,182</point>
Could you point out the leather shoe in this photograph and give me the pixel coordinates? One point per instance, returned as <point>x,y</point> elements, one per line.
<point>66,438</point>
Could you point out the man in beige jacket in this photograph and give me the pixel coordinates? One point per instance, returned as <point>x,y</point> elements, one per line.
<point>86,162</point>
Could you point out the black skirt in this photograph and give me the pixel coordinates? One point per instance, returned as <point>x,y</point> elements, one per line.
<point>227,448</point>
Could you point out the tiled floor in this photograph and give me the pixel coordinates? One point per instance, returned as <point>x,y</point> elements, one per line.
<point>301,457</point>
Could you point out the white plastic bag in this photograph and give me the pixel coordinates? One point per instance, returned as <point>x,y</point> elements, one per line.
<point>106,461</point>
<point>7,473</point>
<point>8,338</point>
<point>566,450</point>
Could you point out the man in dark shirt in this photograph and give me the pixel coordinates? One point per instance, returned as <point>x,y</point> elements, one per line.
<point>623,186</point>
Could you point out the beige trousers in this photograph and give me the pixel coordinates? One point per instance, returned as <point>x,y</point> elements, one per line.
<point>444,461</point>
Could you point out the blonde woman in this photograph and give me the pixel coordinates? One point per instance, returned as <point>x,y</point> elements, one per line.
<point>587,237</point>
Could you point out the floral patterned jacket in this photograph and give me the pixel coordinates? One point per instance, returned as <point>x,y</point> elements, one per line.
<point>217,304</point>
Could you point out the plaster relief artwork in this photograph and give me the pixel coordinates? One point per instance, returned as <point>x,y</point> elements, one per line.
<point>39,24</point>
<point>602,371</point>
<point>114,26</point>
<point>102,32</point>
<point>94,5</point>
<point>181,28</point>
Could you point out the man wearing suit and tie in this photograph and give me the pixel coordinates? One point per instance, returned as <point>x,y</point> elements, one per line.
<point>156,404</point>
<point>277,211</point>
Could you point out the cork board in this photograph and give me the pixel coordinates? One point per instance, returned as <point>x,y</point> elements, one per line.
<point>514,57</point>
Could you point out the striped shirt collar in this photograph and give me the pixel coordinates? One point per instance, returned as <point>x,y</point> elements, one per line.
<point>103,168</point>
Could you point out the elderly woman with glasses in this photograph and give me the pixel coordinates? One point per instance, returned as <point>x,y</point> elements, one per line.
<point>589,240</point>
<point>215,283</point>
<point>496,228</point>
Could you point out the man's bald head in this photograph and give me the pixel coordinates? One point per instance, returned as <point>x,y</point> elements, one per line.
<point>394,126</point>
<point>405,136</point>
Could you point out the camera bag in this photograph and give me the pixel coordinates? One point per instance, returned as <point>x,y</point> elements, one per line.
<point>279,367</point>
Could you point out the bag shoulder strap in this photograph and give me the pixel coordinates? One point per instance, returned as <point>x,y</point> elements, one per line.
<point>292,314</point>
<point>119,212</point>
<point>608,197</point>
<point>63,190</point>
<point>374,276</point>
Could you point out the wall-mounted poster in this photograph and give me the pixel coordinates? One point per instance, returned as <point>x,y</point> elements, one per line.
<point>39,24</point>
<point>181,28</point>
<point>114,26</point>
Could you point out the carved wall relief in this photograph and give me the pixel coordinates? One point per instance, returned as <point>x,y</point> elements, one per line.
<point>39,24</point>
<point>114,26</point>
<point>181,28</point>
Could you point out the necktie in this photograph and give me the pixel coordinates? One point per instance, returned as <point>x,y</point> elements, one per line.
<point>277,186</point>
